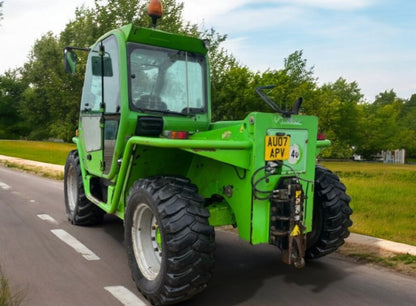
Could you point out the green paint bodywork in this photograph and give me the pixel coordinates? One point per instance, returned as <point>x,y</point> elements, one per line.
<point>220,158</point>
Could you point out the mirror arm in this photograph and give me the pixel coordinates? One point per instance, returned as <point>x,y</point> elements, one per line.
<point>69,48</point>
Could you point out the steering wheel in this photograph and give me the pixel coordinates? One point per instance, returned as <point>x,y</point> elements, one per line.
<point>151,102</point>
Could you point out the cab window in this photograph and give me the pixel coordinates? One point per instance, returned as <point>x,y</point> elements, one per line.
<point>92,96</point>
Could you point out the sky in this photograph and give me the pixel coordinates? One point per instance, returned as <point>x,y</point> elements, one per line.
<point>371,42</point>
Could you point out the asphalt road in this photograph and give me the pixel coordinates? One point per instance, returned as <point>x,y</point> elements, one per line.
<point>55,263</point>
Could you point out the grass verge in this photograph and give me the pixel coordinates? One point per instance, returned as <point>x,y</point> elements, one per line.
<point>382,197</point>
<point>7,297</point>
<point>47,152</point>
<point>404,263</point>
<point>42,171</point>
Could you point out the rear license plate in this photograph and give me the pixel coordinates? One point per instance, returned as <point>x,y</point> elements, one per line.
<point>277,148</point>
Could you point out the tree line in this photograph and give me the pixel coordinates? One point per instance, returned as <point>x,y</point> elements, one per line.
<point>40,101</point>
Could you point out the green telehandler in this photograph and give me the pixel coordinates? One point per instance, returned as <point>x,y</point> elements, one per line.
<point>148,153</point>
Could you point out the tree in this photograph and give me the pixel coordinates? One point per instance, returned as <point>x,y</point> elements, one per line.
<point>349,96</point>
<point>114,13</point>
<point>381,128</point>
<point>295,67</point>
<point>338,106</point>
<point>385,98</point>
<point>83,31</point>
<point>293,81</point>
<point>234,94</point>
<point>223,67</point>
<point>407,124</point>
<point>412,101</point>
<point>11,90</point>
<point>90,24</point>
<point>389,124</point>
<point>234,91</point>
<point>1,10</point>
<point>42,105</point>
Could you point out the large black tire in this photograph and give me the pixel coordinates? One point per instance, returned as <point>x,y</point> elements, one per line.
<point>331,215</point>
<point>79,209</point>
<point>170,244</point>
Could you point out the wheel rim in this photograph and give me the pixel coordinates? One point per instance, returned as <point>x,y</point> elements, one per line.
<point>72,189</point>
<point>146,240</point>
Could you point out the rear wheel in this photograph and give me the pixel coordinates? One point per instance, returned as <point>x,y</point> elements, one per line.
<point>79,209</point>
<point>170,244</point>
<point>331,215</point>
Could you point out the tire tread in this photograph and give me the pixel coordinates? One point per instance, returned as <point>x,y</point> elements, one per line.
<point>189,239</point>
<point>331,203</point>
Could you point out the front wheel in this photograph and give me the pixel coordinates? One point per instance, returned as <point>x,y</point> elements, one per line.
<point>170,244</point>
<point>331,215</point>
<point>79,209</point>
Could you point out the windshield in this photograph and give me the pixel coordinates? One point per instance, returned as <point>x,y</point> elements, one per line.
<point>165,80</point>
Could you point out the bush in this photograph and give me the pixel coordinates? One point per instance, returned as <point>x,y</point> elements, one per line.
<point>7,298</point>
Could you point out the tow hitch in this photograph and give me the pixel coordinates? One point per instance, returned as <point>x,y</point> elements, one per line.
<point>286,221</point>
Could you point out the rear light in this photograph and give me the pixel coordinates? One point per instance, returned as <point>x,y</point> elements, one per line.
<point>177,134</point>
<point>321,136</point>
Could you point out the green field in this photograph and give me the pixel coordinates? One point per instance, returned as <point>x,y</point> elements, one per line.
<point>383,198</point>
<point>48,152</point>
<point>383,195</point>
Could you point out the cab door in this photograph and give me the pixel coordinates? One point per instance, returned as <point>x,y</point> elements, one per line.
<point>100,107</point>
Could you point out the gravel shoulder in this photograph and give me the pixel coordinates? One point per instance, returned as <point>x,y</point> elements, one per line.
<point>43,169</point>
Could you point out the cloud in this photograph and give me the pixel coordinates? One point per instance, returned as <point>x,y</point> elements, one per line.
<point>237,16</point>
<point>250,20</point>
<point>338,5</point>
<point>357,47</point>
<point>197,10</point>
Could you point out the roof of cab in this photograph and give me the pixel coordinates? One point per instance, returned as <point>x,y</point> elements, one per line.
<point>163,39</point>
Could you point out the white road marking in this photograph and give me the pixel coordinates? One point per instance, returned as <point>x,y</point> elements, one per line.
<point>4,186</point>
<point>125,296</point>
<point>48,218</point>
<point>75,244</point>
